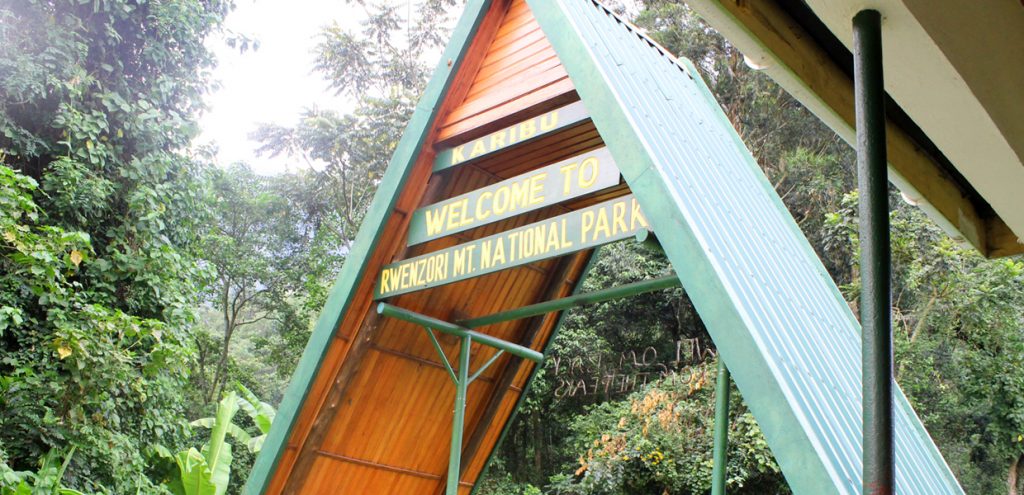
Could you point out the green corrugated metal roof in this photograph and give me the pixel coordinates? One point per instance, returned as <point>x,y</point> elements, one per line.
<point>778,319</point>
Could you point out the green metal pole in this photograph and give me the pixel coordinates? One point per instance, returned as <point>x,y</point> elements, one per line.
<point>458,423</point>
<point>721,429</point>
<point>875,255</point>
<point>572,301</point>
<point>386,309</point>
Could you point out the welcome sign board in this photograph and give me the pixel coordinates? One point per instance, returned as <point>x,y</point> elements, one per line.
<point>572,178</point>
<point>589,227</point>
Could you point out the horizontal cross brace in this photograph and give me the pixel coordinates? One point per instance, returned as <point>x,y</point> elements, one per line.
<point>573,301</point>
<point>442,326</point>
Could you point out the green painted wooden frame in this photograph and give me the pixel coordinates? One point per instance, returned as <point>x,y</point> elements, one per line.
<point>354,269</point>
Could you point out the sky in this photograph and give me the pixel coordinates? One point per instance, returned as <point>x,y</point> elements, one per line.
<point>274,83</point>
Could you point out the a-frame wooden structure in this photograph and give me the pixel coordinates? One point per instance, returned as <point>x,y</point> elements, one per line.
<point>527,92</point>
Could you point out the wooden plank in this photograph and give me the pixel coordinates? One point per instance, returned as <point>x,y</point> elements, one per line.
<point>515,70</point>
<point>1001,240</point>
<point>551,95</point>
<point>507,94</point>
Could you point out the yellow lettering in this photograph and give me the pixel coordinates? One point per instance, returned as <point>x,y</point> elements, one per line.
<point>498,256</point>
<point>567,171</point>
<point>481,212</point>
<point>519,192</point>
<point>527,129</point>
<point>385,276</point>
<point>501,197</point>
<point>554,243</point>
<point>537,188</point>
<point>485,255</point>
<point>435,219</point>
<point>478,148</point>
<point>587,223</point>
<point>460,262</point>
<point>440,267</point>
<point>457,156</point>
<point>619,217</point>
<point>602,223</point>
<point>497,140</point>
<point>549,121</point>
<point>591,165</point>
<point>637,216</point>
<point>403,276</point>
<point>566,242</point>
<point>420,272</point>
<point>455,214</point>
<point>515,245</point>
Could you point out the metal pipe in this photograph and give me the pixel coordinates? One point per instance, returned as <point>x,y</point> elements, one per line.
<point>458,422</point>
<point>386,309</point>
<point>721,448</point>
<point>875,255</point>
<point>440,352</point>
<point>573,301</point>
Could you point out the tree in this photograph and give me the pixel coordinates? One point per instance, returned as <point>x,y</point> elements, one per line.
<point>99,279</point>
<point>385,77</point>
<point>959,345</point>
<point>259,250</point>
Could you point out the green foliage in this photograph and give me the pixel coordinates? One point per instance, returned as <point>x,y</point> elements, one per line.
<point>45,481</point>
<point>261,250</point>
<point>382,68</point>
<point>101,211</point>
<point>959,347</point>
<point>207,471</point>
<point>659,440</point>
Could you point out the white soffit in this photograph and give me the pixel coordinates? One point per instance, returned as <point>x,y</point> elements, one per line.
<point>957,68</point>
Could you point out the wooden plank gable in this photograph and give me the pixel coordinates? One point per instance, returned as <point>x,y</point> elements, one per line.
<point>377,415</point>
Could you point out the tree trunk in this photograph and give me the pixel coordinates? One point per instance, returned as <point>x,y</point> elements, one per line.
<point>1012,479</point>
<point>229,324</point>
<point>538,444</point>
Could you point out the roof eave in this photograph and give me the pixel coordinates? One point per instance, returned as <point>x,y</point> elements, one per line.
<point>773,38</point>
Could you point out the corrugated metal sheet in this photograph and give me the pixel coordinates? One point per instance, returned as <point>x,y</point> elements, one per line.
<point>777,317</point>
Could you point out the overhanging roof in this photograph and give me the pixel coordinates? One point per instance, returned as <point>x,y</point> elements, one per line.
<point>954,72</point>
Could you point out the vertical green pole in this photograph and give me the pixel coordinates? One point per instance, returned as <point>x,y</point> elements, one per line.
<point>875,255</point>
<point>721,429</point>
<point>461,384</point>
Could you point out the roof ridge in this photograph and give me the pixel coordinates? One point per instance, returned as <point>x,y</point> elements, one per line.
<point>639,32</point>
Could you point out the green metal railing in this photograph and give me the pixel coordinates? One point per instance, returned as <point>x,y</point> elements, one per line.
<point>460,375</point>
<point>462,378</point>
<point>574,301</point>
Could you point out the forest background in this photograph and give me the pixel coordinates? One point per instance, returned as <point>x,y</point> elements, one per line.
<point>143,286</point>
